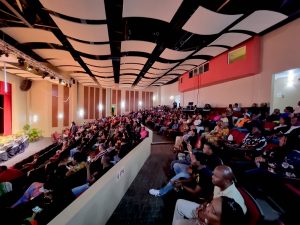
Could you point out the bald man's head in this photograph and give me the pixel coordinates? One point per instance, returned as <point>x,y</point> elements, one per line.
<point>223,176</point>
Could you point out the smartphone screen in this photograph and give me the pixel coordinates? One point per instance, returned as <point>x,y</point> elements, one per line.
<point>37,209</point>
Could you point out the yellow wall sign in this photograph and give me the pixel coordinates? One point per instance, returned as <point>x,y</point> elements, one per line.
<point>237,54</point>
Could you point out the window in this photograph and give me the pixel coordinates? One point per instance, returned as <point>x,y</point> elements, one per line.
<point>195,71</point>
<point>190,74</point>
<point>205,67</point>
<point>237,54</point>
<point>181,80</point>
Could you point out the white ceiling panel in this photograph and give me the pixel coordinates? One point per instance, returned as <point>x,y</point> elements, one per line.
<point>231,39</point>
<point>59,62</point>
<point>185,67</point>
<point>163,66</point>
<point>8,65</point>
<point>88,32</point>
<point>30,35</point>
<point>132,78</point>
<point>101,69</point>
<point>71,68</point>
<point>91,49</point>
<point>156,72</point>
<point>124,85</point>
<point>211,50</point>
<point>178,71</point>
<point>149,75</point>
<point>206,22</point>
<point>82,9</point>
<point>79,74</point>
<point>137,46</point>
<point>168,77</point>
<point>174,55</point>
<point>53,54</point>
<point>156,9</point>
<point>133,59</point>
<point>95,62</point>
<point>195,62</point>
<point>260,20</point>
<point>132,66</point>
<point>103,74</point>
<point>130,71</point>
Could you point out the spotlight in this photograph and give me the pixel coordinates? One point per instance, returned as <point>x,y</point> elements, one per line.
<point>29,68</point>
<point>21,61</point>
<point>45,74</point>
<point>52,77</point>
<point>6,54</point>
<point>74,81</point>
<point>60,81</point>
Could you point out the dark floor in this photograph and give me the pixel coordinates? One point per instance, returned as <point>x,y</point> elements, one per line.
<point>137,207</point>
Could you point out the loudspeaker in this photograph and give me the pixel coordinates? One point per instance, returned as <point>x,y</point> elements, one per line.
<point>25,85</point>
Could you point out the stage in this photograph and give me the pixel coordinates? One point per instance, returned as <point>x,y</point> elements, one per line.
<point>32,148</point>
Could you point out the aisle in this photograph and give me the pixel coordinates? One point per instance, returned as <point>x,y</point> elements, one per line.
<point>137,207</point>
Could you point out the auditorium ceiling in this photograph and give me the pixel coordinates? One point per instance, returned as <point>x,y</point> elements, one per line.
<point>134,43</point>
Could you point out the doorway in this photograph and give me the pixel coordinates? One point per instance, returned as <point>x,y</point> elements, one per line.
<point>285,89</point>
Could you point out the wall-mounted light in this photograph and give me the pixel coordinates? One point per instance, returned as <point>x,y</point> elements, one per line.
<point>171,97</point>
<point>81,113</point>
<point>35,118</point>
<point>140,103</point>
<point>154,98</point>
<point>291,76</point>
<point>100,107</point>
<point>29,68</point>
<point>123,104</point>
<point>60,115</point>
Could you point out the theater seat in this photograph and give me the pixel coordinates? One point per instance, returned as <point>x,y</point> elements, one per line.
<point>254,212</point>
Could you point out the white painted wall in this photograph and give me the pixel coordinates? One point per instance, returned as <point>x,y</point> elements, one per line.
<point>285,94</point>
<point>166,92</point>
<point>280,52</point>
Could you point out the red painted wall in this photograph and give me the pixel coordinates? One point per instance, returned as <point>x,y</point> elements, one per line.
<point>7,107</point>
<point>220,71</point>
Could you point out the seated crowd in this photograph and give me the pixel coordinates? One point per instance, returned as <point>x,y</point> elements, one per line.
<point>257,147</point>
<point>54,177</point>
<point>214,149</point>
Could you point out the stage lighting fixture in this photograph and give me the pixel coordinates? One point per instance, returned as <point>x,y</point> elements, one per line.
<point>29,68</point>
<point>52,77</point>
<point>6,54</point>
<point>45,74</point>
<point>74,81</point>
<point>21,61</point>
<point>60,81</point>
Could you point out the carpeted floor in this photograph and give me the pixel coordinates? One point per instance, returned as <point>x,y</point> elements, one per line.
<point>137,207</point>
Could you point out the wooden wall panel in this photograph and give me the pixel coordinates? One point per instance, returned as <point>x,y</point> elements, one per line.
<point>86,102</point>
<point>118,102</point>
<point>97,103</point>
<point>132,101</point>
<point>136,101</point>
<point>147,100</point>
<point>103,102</point>
<point>54,105</point>
<point>92,104</point>
<point>114,97</point>
<point>66,106</point>
<point>144,99</point>
<point>127,101</point>
<point>151,99</point>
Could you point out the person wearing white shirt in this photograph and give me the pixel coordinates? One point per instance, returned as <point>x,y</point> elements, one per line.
<point>223,179</point>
